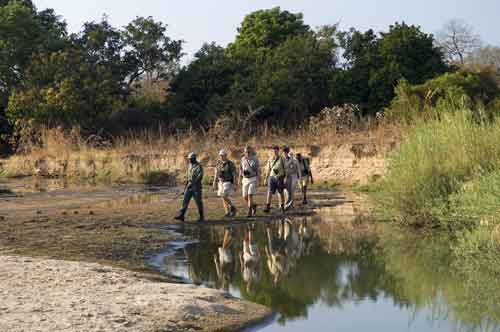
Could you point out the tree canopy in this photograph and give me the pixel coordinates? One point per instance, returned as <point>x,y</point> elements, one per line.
<point>277,71</point>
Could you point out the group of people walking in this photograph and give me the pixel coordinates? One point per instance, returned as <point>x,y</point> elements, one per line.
<point>283,172</point>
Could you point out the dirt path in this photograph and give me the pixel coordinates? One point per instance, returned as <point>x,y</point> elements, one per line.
<point>50,295</point>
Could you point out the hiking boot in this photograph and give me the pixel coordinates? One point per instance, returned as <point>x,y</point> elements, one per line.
<point>233,211</point>
<point>179,217</point>
<point>254,209</point>
<point>267,209</point>
<point>201,219</point>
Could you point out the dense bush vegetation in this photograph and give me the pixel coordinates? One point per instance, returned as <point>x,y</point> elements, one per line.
<point>475,89</point>
<point>441,167</point>
<point>278,73</point>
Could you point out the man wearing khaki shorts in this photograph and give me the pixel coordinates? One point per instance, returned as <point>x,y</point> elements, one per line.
<point>249,175</point>
<point>224,178</point>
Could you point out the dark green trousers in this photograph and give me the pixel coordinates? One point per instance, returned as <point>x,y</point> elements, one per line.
<point>193,192</point>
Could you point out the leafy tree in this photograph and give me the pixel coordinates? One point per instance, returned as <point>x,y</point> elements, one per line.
<point>149,51</point>
<point>374,65</point>
<point>267,29</point>
<point>63,90</point>
<point>103,45</point>
<point>293,82</point>
<point>206,78</point>
<point>23,33</point>
<point>361,57</point>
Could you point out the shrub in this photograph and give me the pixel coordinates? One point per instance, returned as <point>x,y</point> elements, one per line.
<point>462,89</point>
<point>438,157</point>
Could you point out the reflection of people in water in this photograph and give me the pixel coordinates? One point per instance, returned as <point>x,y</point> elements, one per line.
<point>291,238</point>
<point>224,261</point>
<point>305,238</point>
<point>276,252</point>
<point>250,259</point>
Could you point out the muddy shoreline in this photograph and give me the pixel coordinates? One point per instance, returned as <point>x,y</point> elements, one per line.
<point>116,227</point>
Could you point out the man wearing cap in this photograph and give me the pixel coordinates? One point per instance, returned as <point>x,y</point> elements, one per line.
<point>249,175</point>
<point>275,178</point>
<point>193,188</point>
<point>225,176</point>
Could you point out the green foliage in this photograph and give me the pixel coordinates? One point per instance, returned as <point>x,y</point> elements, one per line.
<point>198,86</point>
<point>278,72</point>
<point>63,90</point>
<point>267,29</point>
<point>150,51</point>
<point>439,157</point>
<point>376,63</point>
<point>475,89</point>
<point>282,88</point>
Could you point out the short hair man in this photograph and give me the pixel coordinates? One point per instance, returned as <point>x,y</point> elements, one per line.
<point>193,188</point>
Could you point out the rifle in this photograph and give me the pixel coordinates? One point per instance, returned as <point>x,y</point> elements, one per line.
<point>181,193</point>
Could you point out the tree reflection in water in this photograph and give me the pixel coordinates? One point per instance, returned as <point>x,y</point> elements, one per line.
<point>292,264</point>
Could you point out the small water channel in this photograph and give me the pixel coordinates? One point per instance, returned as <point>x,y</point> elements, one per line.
<point>324,274</point>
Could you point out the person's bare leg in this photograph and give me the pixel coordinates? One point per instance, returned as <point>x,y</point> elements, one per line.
<point>224,203</point>
<point>227,239</point>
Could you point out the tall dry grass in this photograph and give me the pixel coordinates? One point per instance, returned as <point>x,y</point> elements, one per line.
<point>149,156</point>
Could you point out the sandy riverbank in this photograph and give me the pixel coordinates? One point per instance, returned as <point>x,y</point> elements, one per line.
<point>51,295</point>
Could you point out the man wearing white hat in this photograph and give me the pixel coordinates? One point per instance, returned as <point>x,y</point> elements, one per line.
<point>193,188</point>
<point>224,178</point>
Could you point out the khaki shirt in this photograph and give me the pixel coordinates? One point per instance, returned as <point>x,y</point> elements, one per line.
<point>276,167</point>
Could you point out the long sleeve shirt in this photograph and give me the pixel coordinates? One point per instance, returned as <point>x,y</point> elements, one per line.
<point>195,174</point>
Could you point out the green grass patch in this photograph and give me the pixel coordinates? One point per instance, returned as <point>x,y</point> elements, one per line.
<point>438,160</point>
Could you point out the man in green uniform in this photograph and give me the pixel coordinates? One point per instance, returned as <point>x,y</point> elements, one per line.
<point>193,188</point>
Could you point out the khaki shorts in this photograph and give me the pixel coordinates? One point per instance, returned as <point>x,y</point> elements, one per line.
<point>249,186</point>
<point>225,189</point>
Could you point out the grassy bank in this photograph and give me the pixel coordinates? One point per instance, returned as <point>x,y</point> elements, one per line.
<point>447,175</point>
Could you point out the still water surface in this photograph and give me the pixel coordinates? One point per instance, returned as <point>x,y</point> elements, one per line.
<point>329,275</point>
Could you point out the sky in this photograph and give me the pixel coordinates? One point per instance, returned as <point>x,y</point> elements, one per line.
<point>201,21</point>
